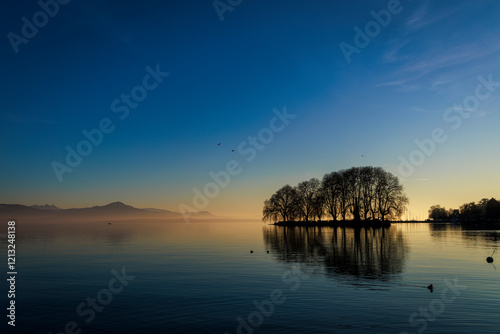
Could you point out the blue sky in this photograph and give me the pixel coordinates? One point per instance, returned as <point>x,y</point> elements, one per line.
<point>225,79</point>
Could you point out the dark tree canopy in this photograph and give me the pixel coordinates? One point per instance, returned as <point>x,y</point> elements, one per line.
<point>281,205</point>
<point>436,212</point>
<point>358,193</point>
<point>493,209</point>
<point>307,194</point>
<point>484,210</point>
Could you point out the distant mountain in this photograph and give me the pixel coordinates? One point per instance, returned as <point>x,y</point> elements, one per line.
<point>158,210</point>
<point>111,208</point>
<point>18,208</point>
<point>45,207</point>
<point>201,214</point>
<point>115,210</point>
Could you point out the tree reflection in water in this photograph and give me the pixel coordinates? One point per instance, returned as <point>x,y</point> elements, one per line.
<point>341,252</point>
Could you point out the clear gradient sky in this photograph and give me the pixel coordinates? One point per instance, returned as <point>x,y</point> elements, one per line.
<point>226,77</point>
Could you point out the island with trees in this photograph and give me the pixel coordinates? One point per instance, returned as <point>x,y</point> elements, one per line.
<point>352,197</point>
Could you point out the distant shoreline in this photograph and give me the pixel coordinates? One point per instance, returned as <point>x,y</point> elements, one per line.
<point>371,223</point>
<point>331,223</point>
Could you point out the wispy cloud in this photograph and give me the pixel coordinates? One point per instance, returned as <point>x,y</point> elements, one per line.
<point>441,81</point>
<point>402,85</point>
<point>418,109</point>
<point>393,54</point>
<point>419,18</point>
<point>425,16</point>
<point>475,112</point>
<point>436,60</point>
<point>442,67</point>
<point>441,62</point>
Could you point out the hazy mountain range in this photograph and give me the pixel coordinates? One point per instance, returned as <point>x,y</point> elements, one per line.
<point>115,210</point>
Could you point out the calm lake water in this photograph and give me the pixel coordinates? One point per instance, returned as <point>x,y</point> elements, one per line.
<point>201,278</point>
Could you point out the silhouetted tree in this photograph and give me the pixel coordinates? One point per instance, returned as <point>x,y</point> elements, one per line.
<point>344,193</point>
<point>493,209</point>
<point>483,203</point>
<point>364,192</point>
<point>368,183</point>
<point>269,212</point>
<point>281,205</point>
<point>436,212</point>
<point>472,211</point>
<point>485,209</point>
<point>390,197</point>
<point>319,204</point>
<point>450,212</point>
<point>354,190</point>
<point>331,190</point>
<point>306,194</point>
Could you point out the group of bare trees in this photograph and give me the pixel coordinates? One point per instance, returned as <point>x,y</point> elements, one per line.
<point>484,210</point>
<point>358,193</point>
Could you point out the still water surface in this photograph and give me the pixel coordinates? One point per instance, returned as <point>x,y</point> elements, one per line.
<point>201,278</point>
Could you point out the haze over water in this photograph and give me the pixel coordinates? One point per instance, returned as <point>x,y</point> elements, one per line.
<point>200,277</point>
<point>228,111</point>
